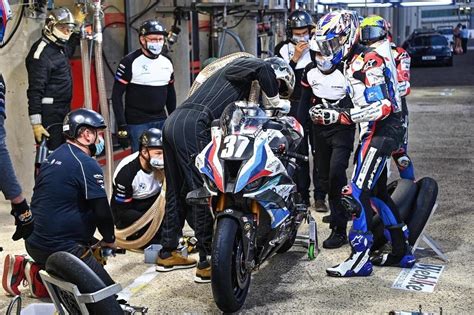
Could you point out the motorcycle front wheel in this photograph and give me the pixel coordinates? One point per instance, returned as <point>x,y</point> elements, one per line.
<point>230,279</point>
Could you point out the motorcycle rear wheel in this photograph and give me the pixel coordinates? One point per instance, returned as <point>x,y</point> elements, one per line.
<point>230,280</point>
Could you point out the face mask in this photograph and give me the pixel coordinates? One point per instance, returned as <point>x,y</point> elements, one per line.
<point>297,39</point>
<point>60,36</point>
<point>97,148</point>
<point>154,48</point>
<point>323,64</point>
<point>157,163</point>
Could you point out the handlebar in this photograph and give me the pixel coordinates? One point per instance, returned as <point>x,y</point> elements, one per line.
<point>300,157</point>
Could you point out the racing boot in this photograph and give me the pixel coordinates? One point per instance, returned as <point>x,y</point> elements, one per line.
<point>358,263</point>
<point>401,255</point>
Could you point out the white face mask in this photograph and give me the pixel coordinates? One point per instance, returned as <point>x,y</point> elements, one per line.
<point>297,39</point>
<point>154,47</point>
<point>323,64</point>
<point>157,163</point>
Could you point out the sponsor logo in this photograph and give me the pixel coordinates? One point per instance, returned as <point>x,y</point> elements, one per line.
<point>99,176</point>
<point>420,278</point>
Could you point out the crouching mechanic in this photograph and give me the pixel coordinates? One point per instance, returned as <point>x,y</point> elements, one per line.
<point>69,200</point>
<point>374,32</point>
<point>137,183</point>
<point>382,130</point>
<point>187,131</point>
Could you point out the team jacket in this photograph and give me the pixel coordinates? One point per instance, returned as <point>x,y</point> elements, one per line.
<point>320,88</point>
<point>371,89</point>
<point>402,61</point>
<point>133,188</point>
<point>286,50</point>
<point>148,85</point>
<point>49,81</point>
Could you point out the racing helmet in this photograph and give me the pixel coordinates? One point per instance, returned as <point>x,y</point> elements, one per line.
<point>336,34</point>
<point>56,19</point>
<point>298,19</point>
<point>152,27</point>
<point>151,138</point>
<point>373,28</point>
<point>79,118</point>
<point>284,73</point>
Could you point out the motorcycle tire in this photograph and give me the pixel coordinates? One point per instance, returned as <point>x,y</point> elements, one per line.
<point>230,280</point>
<point>423,206</point>
<point>70,268</point>
<point>288,243</point>
<point>403,193</point>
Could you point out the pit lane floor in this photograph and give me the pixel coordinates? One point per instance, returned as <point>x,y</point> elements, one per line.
<point>441,146</point>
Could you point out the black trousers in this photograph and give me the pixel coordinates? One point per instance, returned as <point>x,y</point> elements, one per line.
<point>332,156</point>
<point>184,136</point>
<point>40,257</point>
<point>56,137</point>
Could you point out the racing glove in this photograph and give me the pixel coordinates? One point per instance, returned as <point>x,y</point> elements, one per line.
<point>122,137</point>
<point>39,132</point>
<point>329,116</point>
<point>23,220</point>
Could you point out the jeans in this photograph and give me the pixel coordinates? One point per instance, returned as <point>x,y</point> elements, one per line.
<point>136,131</point>
<point>8,184</point>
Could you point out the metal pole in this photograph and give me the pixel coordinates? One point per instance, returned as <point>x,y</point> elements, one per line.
<point>104,106</point>
<point>86,69</point>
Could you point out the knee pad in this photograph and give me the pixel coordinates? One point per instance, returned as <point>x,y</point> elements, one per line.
<point>349,202</point>
<point>360,241</point>
<point>402,160</point>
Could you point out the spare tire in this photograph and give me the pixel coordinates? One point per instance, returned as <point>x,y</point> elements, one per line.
<point>425,201</point>
<point>70,268</point>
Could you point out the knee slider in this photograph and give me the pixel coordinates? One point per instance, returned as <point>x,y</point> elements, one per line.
<point>403,162</point>
<point>350,204</point>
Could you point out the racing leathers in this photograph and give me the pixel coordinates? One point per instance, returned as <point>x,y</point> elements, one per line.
<point>187,131</point>
<point>379,115</point>
<point>148,84</point>
<point>334,143</point>
<point>135,190</point>
<point>286,50</point>
<point>401,158</point>
<point>50,86</point>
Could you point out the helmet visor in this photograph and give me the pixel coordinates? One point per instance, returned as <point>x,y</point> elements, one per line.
<point>331,46</point>
<point>371,33</point>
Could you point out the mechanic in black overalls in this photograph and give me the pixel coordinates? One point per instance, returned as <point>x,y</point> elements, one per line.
<point>187,131</point>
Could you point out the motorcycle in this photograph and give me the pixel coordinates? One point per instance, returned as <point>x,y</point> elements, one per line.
<point>247,170</point>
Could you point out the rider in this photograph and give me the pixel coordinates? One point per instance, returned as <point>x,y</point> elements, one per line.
<point>379,114</point>
<point>323,83</point>
<point>374,31</point>
<point>295,51</point>
<point>137,182</point>
<point>187,131</point>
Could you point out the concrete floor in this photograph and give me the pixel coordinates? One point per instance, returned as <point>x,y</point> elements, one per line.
<point>441,146</point>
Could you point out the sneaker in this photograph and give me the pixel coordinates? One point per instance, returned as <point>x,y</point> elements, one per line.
<point>174,262</point>
<point>203,272</point>
<point>13,273</point>
<point>35,284</point>
<point>320,206</point>
<point>336,239</point>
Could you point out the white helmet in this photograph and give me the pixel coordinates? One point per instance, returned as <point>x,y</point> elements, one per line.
<point>284,73</point>
<point>59,18</point>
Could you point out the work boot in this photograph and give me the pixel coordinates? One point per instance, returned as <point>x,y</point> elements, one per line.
<point>13,273</point>
<point>203,272</point>
<point>337,238</point>
<point>401,255</point>
<point>320,206</point>
<point>174,261</point>
<point>35,284</point>
<point>358,263</point>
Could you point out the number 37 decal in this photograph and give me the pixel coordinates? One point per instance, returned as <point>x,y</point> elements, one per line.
<point>234,146</point>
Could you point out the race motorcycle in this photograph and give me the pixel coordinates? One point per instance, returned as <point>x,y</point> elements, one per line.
<point>247,170</point>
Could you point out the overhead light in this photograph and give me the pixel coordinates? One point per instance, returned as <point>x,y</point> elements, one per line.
<point>426,3</point>
<point>369,5</point>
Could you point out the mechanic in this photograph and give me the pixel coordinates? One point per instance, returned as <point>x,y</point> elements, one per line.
<point>324,83</point>
<point>375,33</point>
<point>146,76</point>
<point>69,200</point>
<point>49,77</point>
<point>137,183</point>
<point>380,118</point>
<point>295,51</point>
<point>187,131</point>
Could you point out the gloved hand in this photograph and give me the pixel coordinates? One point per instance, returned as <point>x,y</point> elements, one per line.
<point>324,116</point>
<point>122,137</point>
<point>23,220</point>
<point>39,132</point>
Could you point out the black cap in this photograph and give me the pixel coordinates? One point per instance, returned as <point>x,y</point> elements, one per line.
<point>151,138</point>
<point>152,27</point>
